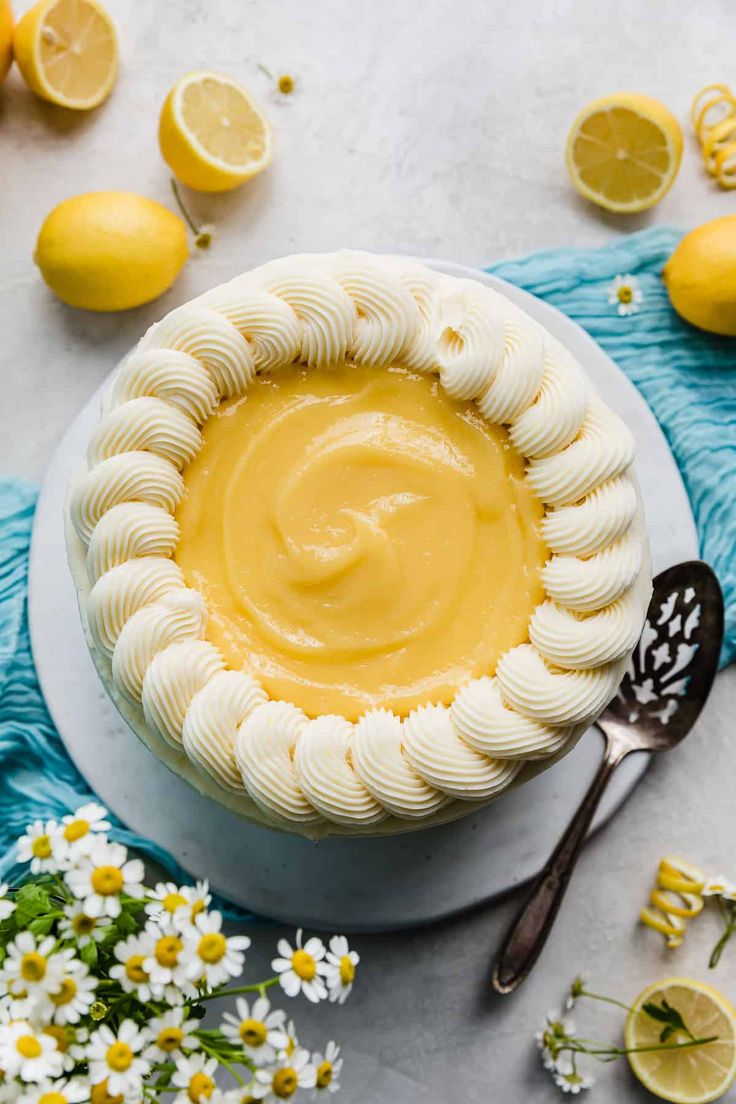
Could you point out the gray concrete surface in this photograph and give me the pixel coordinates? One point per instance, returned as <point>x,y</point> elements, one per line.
<point>436,129</point>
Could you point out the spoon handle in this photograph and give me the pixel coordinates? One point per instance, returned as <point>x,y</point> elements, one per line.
<point>528,933</point>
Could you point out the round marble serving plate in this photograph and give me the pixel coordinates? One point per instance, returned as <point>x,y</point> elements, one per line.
<point>352,884</point>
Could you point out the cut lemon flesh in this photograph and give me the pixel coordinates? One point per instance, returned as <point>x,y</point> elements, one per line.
<point>623,152</point>
<point>212,134</point>
<point>685,1075</point>
<point>67,52</point>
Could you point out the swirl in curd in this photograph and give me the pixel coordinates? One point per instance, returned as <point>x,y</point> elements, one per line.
<point>361,539</point>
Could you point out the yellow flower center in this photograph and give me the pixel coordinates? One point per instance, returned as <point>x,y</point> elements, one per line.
<point>303,965</point>
<point>59,1033</point>
<point>52,1098</point>
<point>173,901</point>
<point>75,829</point>
<point>290,1046</point>
<point>286,84</point>
<point>347,970</point>
<point>253,1032</point>
<point>83,924</point>
<point>119,1057</point>
<point>625,294</point>
<point>284,1083</point>
<point>324,1074</point>
<point>197,907</point>
<point>201,1085</point>
<point>107,881</point>
<point>100,1095</point>
<point>32,966</point>
<point>28,1046</point>
<point>134,969</point>
<point>169,1038</point>
<point>67,992</point>
<point>212,947</point>
<point>168,949</point>
<point>41,847</point>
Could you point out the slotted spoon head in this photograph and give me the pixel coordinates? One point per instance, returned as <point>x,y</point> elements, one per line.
<point>673,666</point>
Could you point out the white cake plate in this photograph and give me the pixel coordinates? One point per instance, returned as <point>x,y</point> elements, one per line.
<point>349,884</point>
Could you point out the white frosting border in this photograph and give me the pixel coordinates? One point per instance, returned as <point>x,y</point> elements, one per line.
<point>375,310</point>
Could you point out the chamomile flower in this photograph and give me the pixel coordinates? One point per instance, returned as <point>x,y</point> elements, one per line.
<point>171,1034</point>
<point>6,907</point>
<point>280,1081</point>
<point>198,898</point>
<point>328,1067</point>
<point>30,966</point>
<point>624,293</point>
<point>99,878</point>
<point>258,1030</point>
<point>163,902</point>
<point>170,960</point>
<point>339,968</point>
<point>27,1053</point>
<point>299,968</point>
<point>64,1091</point>
<point>74,995</point>
<point>130,970</point>
<point>80,828</point>
<point>115,1058</point>
<point>83,929</point>
<point>570,1081</point>
<point>43,846</point>
<point>70,1043</point>
<point>719,887</point>
<point>556,1030</point>
<point>195,1078</point>
<point>215,957</point>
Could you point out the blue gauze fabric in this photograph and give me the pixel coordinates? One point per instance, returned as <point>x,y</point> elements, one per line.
<point>688,378</point>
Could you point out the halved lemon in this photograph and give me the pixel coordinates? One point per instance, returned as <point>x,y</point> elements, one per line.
<point>6,37</point>
<point>690,1075</point>
<point>623,151</point>
<point>212,134</point>
<point>67,51</point>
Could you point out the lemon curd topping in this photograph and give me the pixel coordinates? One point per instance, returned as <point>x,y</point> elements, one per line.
<point>361,539</point>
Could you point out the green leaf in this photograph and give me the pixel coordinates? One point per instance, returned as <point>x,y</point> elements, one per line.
<point>665,1014</point>
<point>31,901</point>
<point>88,954</point>
<point>42,925</point>
<point>126,923</point>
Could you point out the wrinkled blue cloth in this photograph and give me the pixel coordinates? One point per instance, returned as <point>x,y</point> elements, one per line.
<point>687,377</point>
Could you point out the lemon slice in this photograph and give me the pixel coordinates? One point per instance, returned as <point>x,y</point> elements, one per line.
<point>67,51</point>
<point>623,151</point>
<point>691,1075</point>
<point>212,134</point>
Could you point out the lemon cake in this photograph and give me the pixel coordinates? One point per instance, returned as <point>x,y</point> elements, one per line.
<point>357,545</point>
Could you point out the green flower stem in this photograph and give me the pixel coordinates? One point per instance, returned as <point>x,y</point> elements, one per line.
<point>728,915</point>
<point>213,1053</point>
<point>202,239</point>
<point>606,1000</point>
<point>605,1053</point>
<point>260,987</point>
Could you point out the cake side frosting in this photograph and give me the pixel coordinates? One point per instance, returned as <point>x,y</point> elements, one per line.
<point>320,310</point>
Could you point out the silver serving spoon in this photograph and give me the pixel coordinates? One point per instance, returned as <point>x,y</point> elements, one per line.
<point>660,699</point>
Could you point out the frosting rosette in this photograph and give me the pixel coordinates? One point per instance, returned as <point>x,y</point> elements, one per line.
<point>151,628</point>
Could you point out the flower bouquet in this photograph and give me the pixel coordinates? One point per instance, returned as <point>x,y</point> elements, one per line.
<point>105,982</point>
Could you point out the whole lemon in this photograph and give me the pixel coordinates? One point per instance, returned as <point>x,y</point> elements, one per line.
<point>6,37</point>
<point>700,276</point>
<point>108,251</point>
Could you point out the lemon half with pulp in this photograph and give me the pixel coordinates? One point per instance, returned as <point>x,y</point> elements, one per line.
<point>67,52</point>
<point>691,1075</point>
<point>212,134</point>
<point>623,151</point>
